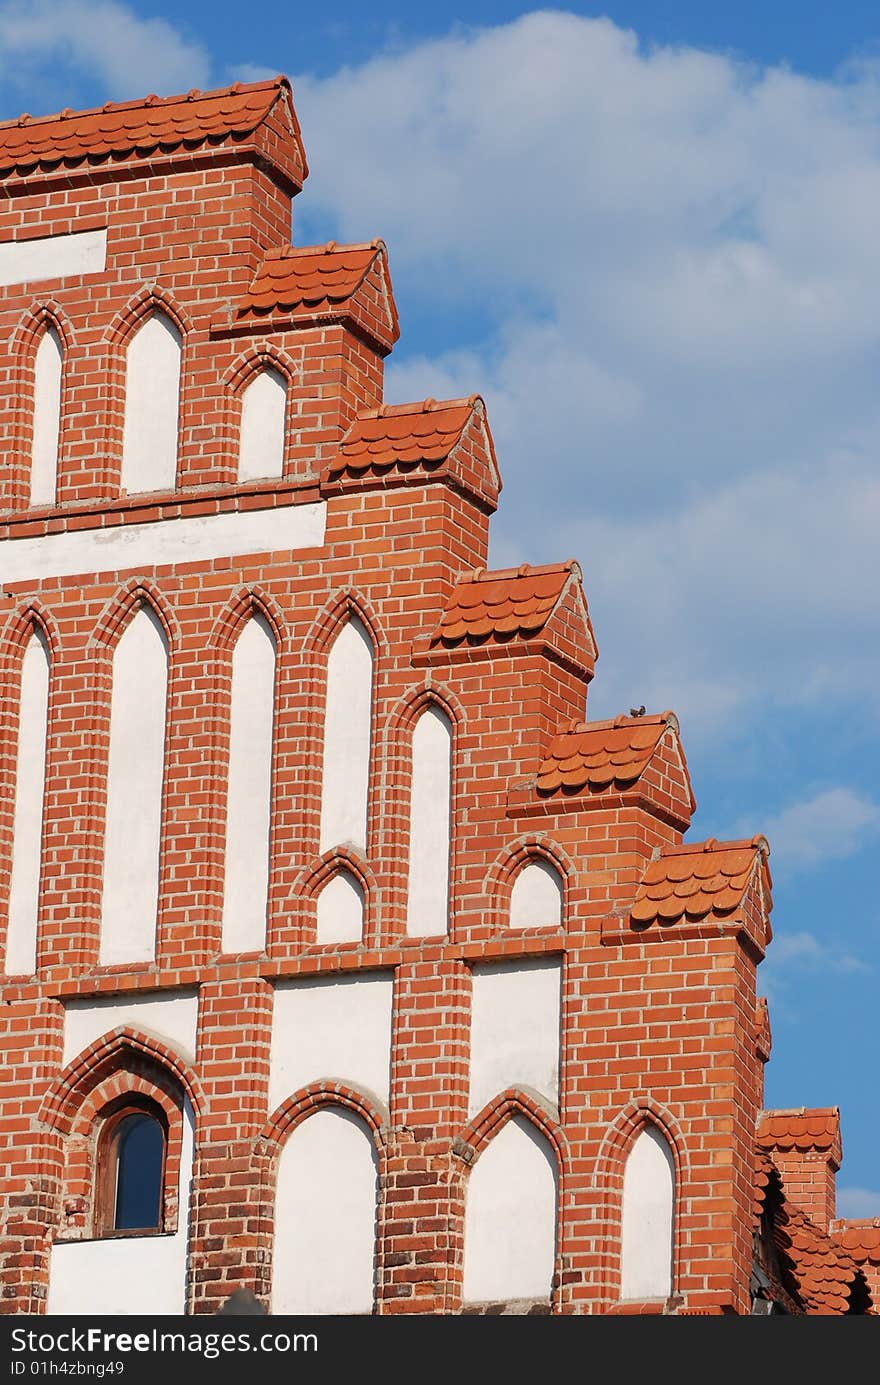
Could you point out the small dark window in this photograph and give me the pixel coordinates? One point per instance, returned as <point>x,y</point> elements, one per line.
<point>131,1170</point>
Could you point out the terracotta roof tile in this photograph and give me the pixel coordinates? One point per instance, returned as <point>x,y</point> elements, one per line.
<point>503,605</point>
<point>600,753</point>
<point>313,278</point>
<point>822,1275</point>
<point>402,437</point>
<point>825,1273</point>
<point>800,1129</point>
<point>137,127</point>
<point>692,881</point>
<point>860,1239</point>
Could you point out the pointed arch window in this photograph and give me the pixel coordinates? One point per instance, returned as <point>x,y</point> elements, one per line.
<point>647,1219</point>
<point>347,733</point>
<point>263,416</point>
<point>536,897</point>
<point>429,825</point>
<point>27,835</point>
<point>510,1217</point>
<point>134,792</point>
<point>249,791</point>
<point>152,396</point>
<point>131,1170</point>
<point>48,365</point>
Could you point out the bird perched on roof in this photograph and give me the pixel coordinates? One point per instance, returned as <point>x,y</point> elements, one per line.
<point>637,711</point>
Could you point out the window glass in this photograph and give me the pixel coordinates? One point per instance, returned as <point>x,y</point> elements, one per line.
<point>139,1149</point>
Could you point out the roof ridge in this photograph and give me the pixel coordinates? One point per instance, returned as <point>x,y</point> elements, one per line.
<point>759,841</point>
<point>579,728</point>
<point>506,574</point>
<point>151,100</point>
<point>330,247</point>
<point>798,1111</point>
<point>418,406</point>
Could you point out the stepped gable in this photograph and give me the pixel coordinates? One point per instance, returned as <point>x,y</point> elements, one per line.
<point>700,879</point>
<point>601,754</point>
<point>402,439</point>
<point>763,1032</point>
<point>135,130</point>
<point>325,282</point>
<point>512,603</point>
<point>801,1129</point>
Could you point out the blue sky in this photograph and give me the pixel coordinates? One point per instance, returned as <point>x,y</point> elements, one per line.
<point>648,235</point>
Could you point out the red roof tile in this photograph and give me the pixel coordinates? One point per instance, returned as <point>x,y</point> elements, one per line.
<point>860,1239</point>
<point>503,605</point>
<point>826,1275</point>
<point>402,437</point>
<point>597,754</point>
<point>312,279</point>
<point>800,1129</point>
<point>699,879</point>
<point>139,127</point>
<point>822,1276</point>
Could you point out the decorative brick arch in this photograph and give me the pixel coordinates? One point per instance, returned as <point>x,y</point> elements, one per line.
<point>124,1063</point>
<point>103,1057</point>
<point>121,610</point>
<point>302,899</point>
<point>245,602</point>
<point>239,374</point>
<point>317,1095</point>
<point>639,1113</point>
<point>396,751</point>
<point>43,315</point>
<point>29,617</point>
<point>342,606</point>
<point>502,873</point>
<point>475,1138</point>
<point>150,298</point>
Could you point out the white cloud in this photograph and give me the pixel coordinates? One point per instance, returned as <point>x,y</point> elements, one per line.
<point>804,950</point>
<point>832,825</point>
<point>858,1202</point>
<point>666,264</point>
<point>101,39</point>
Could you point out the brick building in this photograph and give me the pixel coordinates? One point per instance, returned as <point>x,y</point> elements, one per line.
<point>344,959</point>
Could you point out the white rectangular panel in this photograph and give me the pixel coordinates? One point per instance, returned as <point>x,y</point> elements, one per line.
<point>52,257</point>
<point>162,543</point>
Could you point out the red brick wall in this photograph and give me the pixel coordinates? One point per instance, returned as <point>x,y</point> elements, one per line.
<point>654,1028</point>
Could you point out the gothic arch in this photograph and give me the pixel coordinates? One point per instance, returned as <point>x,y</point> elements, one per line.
<point>513,858</point>
<point>639,1113</point>
<point>44,315</point>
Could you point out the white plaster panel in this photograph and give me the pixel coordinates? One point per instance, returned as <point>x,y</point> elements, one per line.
<point>162,543</point>
<point>331,1029</point>
<point>341,910</point>
<point>171,1018</point>
<point>152,396</point>
<point>30,773</point>
<point>47,418</point>
<point>52,257</point>
<point>514,1030</point>
<point>263,407</point>
<point>127,1274</point>
<point>428,896</point>
<point>536,897</point>
<point>648,1201</point>
<point>347,722</point>
<point>249,800</point>
<point>134,793</point>
<point>325,1217</point>
<point>510,1217</point>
